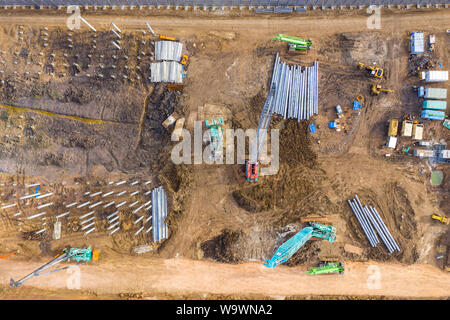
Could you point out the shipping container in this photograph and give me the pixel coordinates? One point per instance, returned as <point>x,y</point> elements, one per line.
<point>434,76</point>
<point>417,131</point>
<point>423,153</point>
<point>391,142</point>
<point>432,115</point>
<point>435,105</point>
<point>445,154</point>
<point>393,127</point>
<point>406,128</point>
<point>417,43</point>
<point>432,93</point>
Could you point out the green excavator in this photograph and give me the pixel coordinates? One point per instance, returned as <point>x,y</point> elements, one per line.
<point>295,43</point>
<point>327,267</point>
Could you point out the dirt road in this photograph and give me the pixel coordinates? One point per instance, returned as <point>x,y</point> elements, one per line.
<point>178,276</point>
<point>179,26</point>
<point>127,274</point>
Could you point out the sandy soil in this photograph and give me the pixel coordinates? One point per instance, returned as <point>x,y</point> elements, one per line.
<point>226,47</point>
<point>179,275</point>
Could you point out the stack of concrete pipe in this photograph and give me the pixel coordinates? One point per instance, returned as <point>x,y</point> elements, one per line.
<point>372,224</point>
<point>297,90</point>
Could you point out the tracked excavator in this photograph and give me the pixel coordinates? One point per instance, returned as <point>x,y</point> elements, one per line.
<point>377,89</point>
<point>442,219</point>
<point>374,71</point>
<point>84,255</point>
<point>287,249</point>
<point>252,165</point>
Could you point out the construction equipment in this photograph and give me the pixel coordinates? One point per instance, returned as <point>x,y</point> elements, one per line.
<point>393,127</point>
<point>215,137</point>
<point>85,255</point>
<point>291,246</point>
<point>375,72</point>
<point>360,99</point>
<point>377,89</point>
<point>167,38</point>
<point>252,165</point>
<point>327,268</point>
<point>442,219</point>
<point>295,43</point>
<point>184,59</point>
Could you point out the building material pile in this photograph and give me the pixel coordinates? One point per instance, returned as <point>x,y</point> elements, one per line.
<point>166,71</point>
<point>371,223</point>
<point>168,50</point>
<point>159,214</point>
<point>297,90</point>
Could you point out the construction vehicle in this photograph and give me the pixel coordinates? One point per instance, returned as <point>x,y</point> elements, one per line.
<point>442,219</point>
<point>215,137</point>
<point>184,59</point>
<point>167,38</point>
<point>393,128</point>
<point>360,99</point>
<point>85,255</point>
<point>295,43</point>
<point>252,165</point>
<point>377,89</point>
<point>291,246</point>
<point>327,268</point>
<point>375,72</point>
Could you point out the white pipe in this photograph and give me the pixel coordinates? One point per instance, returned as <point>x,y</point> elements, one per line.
<point>87,23</point>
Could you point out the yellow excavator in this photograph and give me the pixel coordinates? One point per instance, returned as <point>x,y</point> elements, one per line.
<point>377,89</point>
<point>442,219</point>
<point>376,72</point>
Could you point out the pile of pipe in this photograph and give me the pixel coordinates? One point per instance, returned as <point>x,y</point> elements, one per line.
<point>297,90</point>
<point>168,50</point>
<point>159,214</point>
<point>369,219</point>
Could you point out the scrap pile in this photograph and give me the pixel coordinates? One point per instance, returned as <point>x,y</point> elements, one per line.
<point>369,219</point>
<point>297,90</point>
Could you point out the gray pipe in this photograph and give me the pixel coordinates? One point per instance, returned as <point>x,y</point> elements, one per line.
<point>366,220</point>
<point>361,209</point>
<point>379,230</point>
<point>377,215</point>
<point>383,227</point>
<point>361,223</point>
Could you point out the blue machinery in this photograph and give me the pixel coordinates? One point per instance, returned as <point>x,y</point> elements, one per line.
<point>287,249</point>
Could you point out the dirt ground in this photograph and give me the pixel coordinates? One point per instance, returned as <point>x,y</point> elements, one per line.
<point>215,215</point>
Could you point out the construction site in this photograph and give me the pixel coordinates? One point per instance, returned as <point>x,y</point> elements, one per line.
<point>347,170</point>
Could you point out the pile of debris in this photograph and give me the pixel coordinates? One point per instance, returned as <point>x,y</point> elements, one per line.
<point>369,219</point>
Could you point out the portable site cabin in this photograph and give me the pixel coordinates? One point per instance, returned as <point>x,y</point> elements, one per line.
<point>432,93</point>
<point>393,127</point>
<point>432,115</point>
<point>391,142</point>
<point>417,131</point>
<point>444,154</point>
<point>406,128</point>
<point>435,105</point>
<point>434,76</point>
<point>417,43</point>
<point>423,153</point>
